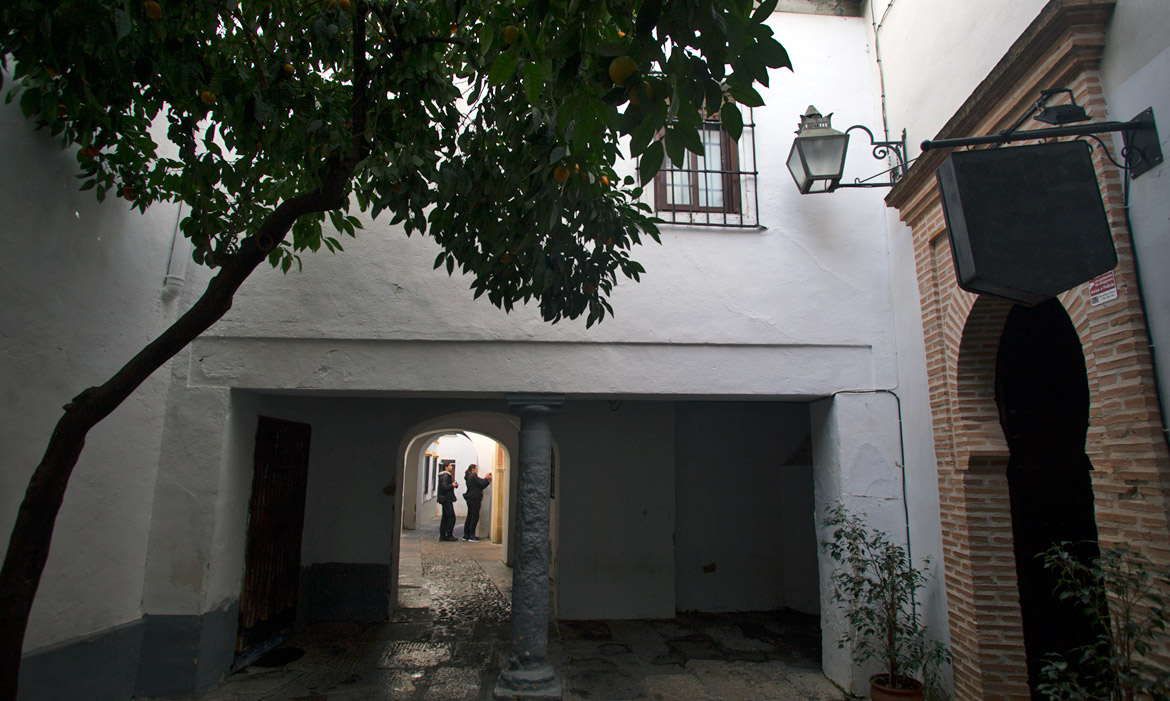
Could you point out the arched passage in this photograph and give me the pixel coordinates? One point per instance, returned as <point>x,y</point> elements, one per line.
<point>501,428</point>
<point>1042,394</point>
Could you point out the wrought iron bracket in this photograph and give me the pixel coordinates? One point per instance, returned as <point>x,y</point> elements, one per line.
<point>882,150</point>
<point>1141,149</point>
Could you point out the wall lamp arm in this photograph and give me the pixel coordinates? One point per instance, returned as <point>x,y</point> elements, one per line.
<point>882,150</point>
<point>1141,150</point>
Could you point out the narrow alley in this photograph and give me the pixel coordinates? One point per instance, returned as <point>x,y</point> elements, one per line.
<point>448,641</point>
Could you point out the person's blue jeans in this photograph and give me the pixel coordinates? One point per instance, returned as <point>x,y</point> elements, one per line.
<point>447,523</point>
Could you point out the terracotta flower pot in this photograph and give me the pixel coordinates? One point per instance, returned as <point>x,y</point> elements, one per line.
<point>879,691</point>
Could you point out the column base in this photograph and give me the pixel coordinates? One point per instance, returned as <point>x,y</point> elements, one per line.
<point>538,683</point>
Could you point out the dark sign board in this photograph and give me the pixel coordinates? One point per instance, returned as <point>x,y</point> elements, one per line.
<point>1025,223</point>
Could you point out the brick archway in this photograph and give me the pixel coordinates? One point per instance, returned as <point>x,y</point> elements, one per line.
<point>1131,475</point>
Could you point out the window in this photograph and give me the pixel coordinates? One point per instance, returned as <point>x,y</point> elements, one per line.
<point>706,183</point>
<point>716,188</point>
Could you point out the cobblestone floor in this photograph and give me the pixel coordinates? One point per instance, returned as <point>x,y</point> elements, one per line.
<point>449,640</point>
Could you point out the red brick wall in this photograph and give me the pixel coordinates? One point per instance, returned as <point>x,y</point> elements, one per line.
<point>1131,477</point>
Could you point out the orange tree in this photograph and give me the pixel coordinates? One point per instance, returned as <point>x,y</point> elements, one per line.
<point>491,125</point>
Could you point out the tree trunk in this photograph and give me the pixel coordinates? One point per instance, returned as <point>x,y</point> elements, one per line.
<point>28,548</point>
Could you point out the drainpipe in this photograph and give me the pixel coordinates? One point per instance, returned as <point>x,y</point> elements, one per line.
<point>177,266</point>
<point>877,54</point>
<point>902,457</point>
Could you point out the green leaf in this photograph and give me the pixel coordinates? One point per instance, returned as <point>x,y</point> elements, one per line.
<point>746,95</point>
<point>611,48</point>
<point>732,120</point>
<point>764,11</point>
<point>675,148</point>
<point>651,162</point>
<point>692,141</point>
<point>503,68</point>
<point>534,80</point>
<point>123,23</point>
<point>773,54</point>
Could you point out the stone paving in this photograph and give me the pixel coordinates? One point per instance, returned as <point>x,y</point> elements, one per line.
<point>448,641</point>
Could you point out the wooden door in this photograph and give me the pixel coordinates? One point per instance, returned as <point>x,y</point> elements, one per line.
<point>276,518</point>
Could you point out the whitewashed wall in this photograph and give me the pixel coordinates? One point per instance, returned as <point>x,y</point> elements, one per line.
<point>934,54</point>
<point>798,308</point>
<point>706,292</point>
<point>80,292</point>
<point>1136,75</point>
<point>745,532</point>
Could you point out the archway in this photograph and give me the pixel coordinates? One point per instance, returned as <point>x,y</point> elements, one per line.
<point>417,458</point>
<point>1042,393</point>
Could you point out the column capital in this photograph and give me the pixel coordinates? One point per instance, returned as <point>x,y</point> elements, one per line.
<point>533,404</point>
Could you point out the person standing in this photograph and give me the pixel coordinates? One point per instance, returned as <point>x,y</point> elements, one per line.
<point>474,497</point>
<point>446,498</point>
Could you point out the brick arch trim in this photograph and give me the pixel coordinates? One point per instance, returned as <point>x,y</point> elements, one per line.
<point>979,434</point>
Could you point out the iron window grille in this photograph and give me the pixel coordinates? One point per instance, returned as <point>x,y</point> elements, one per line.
<point>717,188</point>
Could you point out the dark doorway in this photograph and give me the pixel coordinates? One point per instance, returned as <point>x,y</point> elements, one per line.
<point>276,518</point>
<point>1043,397</point>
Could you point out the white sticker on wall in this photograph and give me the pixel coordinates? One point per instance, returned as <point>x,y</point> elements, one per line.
<point>1103,289</point>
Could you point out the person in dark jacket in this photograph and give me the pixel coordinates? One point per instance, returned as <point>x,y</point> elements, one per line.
<point>446,498</point>
<point>474,497</point>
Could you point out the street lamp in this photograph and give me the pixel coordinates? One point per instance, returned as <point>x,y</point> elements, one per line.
<point>817,158</point>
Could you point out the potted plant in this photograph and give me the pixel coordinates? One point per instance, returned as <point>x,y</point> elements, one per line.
<point>1123,594</point>
<point>877,584</point>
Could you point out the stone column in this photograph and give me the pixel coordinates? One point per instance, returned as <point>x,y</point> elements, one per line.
<point>528,675</point>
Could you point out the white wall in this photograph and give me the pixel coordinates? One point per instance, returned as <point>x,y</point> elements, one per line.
<point>788,310</point>
<point>934,54</point>
<point>745,536</point>
<point>857,460</point>
<point>79,294</point>
<point>1136,75</point>
<point>616,510</point>
<point>349,517</point>
<point>187,496</point>
<point>382,319</point>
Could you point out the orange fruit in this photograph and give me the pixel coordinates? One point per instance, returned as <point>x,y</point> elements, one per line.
<point>511,34</point>
<point>153,9</point>
<point>621,68</point>
<point>590,288</point>
<point>288,69</point>
<point>560,174</point>
<point>640,95</point>
<point>343,4</point>
<point>605,180</point>
<point>61,110</point>
<point>91,152</point>
<point>128,192</point>
<point>207,97</point>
